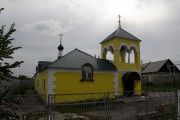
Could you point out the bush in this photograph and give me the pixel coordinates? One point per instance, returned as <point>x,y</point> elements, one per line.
<point>20,90</point>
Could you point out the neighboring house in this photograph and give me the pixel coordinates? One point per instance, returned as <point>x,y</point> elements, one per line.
<point>159,71</point>
<point>79,72</point>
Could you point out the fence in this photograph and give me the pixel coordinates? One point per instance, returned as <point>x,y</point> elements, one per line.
<point>135,105</point>
<point>159,82</point>
<point>110,106</point>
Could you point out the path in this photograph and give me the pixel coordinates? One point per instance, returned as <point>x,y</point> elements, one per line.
<point>32,102</point>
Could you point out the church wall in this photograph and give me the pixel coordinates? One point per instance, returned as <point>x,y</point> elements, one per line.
<point>41,82</point>
<point>69,83</point>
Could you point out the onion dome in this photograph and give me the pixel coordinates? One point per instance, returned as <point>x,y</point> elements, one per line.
<point>60,47</point>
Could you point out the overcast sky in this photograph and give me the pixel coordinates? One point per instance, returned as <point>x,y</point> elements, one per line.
<point>85,23</point>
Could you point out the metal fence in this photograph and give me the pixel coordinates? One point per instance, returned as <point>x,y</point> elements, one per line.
<point>139,105</point>
<point>129,105</point>
<point>160,82</point>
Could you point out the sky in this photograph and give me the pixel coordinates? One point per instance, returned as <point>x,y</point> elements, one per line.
<point>85,23</point>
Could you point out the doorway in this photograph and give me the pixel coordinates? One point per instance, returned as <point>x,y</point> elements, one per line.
<point>128,82</point>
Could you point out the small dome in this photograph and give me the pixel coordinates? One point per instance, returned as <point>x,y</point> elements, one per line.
<point>60,47</point>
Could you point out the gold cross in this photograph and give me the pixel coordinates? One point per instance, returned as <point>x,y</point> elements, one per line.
<point>61,35</point>
<point>119,21</point>
<point>119,17</point>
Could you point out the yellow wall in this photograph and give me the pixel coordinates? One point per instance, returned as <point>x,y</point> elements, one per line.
<point>39,82</point>
<point>70,83</point>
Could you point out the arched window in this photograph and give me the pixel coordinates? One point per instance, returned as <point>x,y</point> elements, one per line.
<point>87,72</point>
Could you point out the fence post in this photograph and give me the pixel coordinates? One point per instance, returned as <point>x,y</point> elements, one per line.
<point>49,107</point>
<point>146,105</point>
<point>177,96</point>
<point>106,105</point>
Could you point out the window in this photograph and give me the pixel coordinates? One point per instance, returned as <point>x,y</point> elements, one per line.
<point>37,83</point>
<point>44,84</point>
<point>87,72</point>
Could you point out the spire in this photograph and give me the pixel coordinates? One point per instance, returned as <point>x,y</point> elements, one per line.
<point>119,26</point>
<point>60,47</point>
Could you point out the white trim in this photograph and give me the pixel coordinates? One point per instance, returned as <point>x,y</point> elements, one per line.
<point>123,44</point>
<point>60,53</point>
<point>131,46</point>
<point>115,83</point>
<point>111,45</point>
<point>107,47</point>
<point>138,71</point>
<point>112,51</point>
<point>51,80</point>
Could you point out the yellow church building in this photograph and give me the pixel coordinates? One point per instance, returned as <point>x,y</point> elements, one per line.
<point>79,72</point>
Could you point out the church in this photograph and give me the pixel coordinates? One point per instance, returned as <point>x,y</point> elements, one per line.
<point>79,72</point>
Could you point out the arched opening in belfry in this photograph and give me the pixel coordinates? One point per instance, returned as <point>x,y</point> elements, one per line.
<point>132,57</point>
<point>104,53</point>
<point>123,53</point>
<point>110,54</point>
<point>127,57</point>
<point>133,53</point>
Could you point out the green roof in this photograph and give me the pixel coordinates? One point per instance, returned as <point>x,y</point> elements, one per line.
<point>43,64</point>
<point>76,59</point>
<point>120,33</point>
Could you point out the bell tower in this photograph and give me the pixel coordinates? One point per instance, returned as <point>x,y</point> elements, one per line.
<point>126,50</point>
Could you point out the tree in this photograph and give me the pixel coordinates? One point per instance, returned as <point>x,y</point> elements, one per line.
<point>23,77</point>
<point>7,50</point>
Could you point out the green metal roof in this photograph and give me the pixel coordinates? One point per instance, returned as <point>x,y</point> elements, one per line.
<point>76,59</point>
<point>43,64</point>
<point>120,33</point>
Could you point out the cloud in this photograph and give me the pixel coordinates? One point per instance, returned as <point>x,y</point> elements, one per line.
<point>86,23</point>
<point>47,27</point>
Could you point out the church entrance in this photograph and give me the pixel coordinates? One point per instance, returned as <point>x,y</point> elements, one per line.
<point>128,82</point>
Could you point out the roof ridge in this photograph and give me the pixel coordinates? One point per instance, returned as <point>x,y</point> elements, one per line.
<point>146,65</point>
<point>161,60</point>
<point>61,57</point>
<point>117,31</point>
<point>156,61</point>
<point>86,53</point>
<point>121,33</point>
<point>70,53</point>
